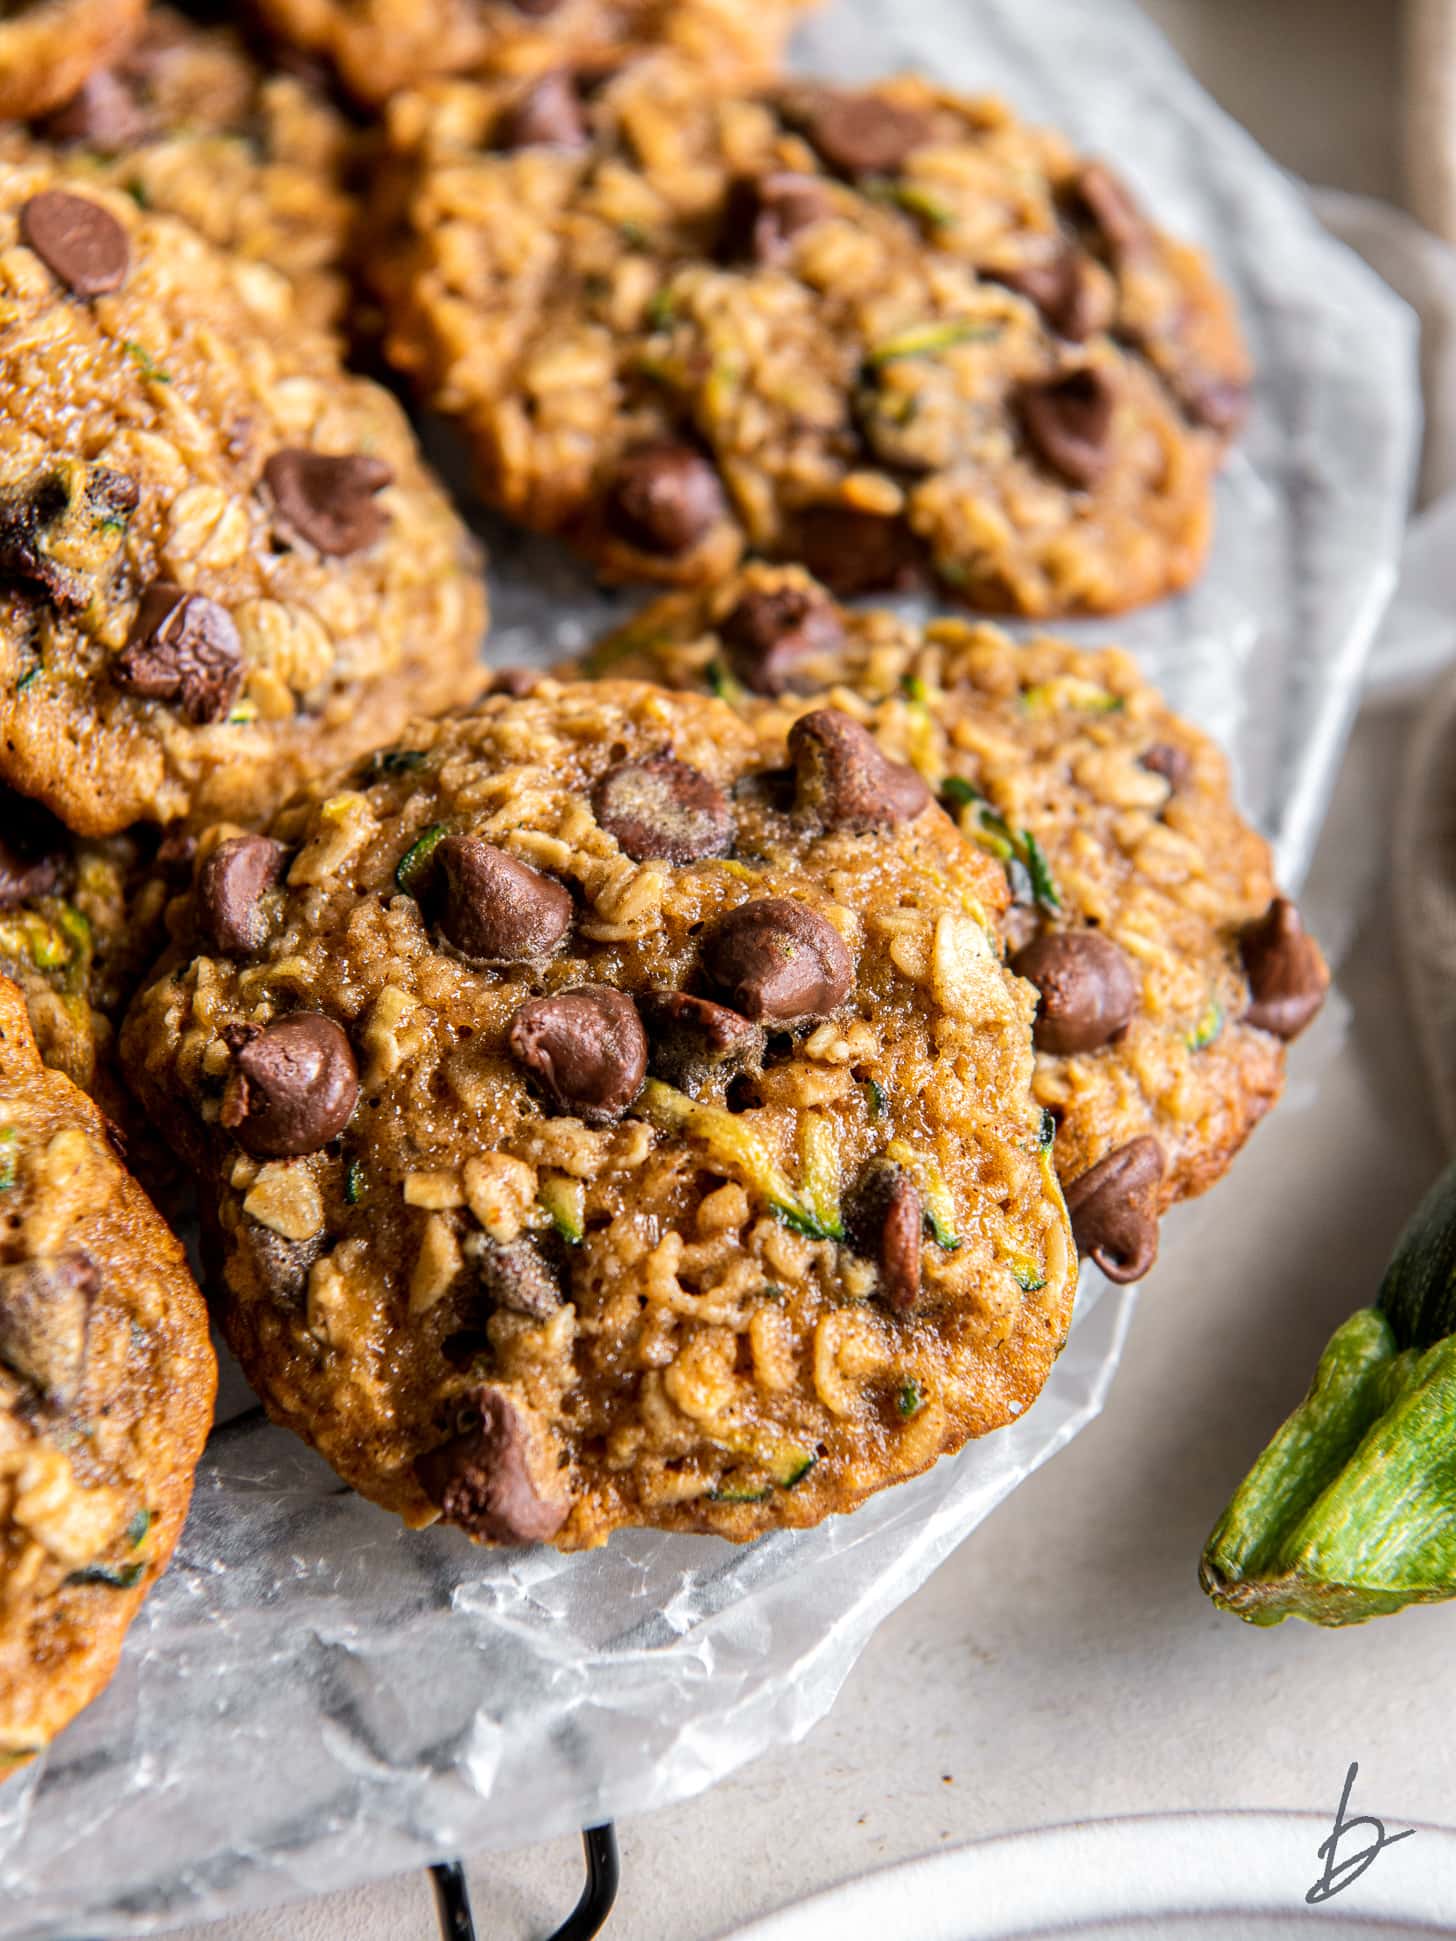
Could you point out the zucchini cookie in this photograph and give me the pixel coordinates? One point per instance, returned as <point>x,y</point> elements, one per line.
<point>1170,971</point>
<point>106,1387</point>
<point>49,47</point>
<point>223,562</point>
<point>607,1128</point>
<point>189,123</point>
<point>381,46</point>
<point>889,335</point>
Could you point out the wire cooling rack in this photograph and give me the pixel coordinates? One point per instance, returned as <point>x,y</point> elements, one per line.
<point>588,1917</point>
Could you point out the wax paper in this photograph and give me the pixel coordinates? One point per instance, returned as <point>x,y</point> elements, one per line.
<point>315,1696</point>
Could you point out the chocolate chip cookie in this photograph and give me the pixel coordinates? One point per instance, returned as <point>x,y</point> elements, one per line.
<point>222,560</point>
<point>188,122</point>
<point>893,335</point>
<point>106,1387</point>
<point>1170,972</point>
<point>381,46</point>
<point>607,1127</point>
<point>49,47</point>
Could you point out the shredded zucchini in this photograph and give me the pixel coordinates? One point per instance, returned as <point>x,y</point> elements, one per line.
<point>411,871</point>
<point>735,1147</point>
<point>940,1213</point>
<point>929,340</point>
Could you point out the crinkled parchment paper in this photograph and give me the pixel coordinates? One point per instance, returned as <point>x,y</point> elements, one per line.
<point>314,1696</point>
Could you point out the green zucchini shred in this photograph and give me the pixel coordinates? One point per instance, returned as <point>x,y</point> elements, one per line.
<point>875,1098</point>
<point>955,788</point>
<point>1207,1028</point>
<point>1043,883</point>
<point>940,1214</point>
<point>1048,1131</point>
<point>114,1578</point>
<point>1028,1278</point>
<point>662,310</point>
<point>910,1401</point>
<point>741,1495</point>
<point>1069,691</point>
<point>819,1173</point>
<point>734,1147</point>
<point>929,340</point>
<point>9,1157</point>
<point>30,677</point>
<point>394,761</point>
<point>354,1182</point>
<point>150,369</point>
<point>722,682</point>
<point>411,869</point>
<point>136,1530</point>
<point>915,200</point>
<point>555,1196</point>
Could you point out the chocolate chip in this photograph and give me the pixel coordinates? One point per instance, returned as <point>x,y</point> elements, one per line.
<point>176,850</point>
<point>1286,971</point>
<point>764,213</point>
<point>293,1087</point>
<point>1064,290</point>
<point>886,1223</point>
<point>106,115</point>
<point>43,518</point>
<point>329,500</point>
<point>32,844</point>
<point>856,552</point>
<point>45,1315</point>
<point>661,807</point>
<point>691,1038</point>
<point>1216,404</point>
<point>281,1266</point>
<point>585,1048</point>
<point>773,630</point>
<point>547,115</point>
<point>1109,204</point>
<point>664,498</point>
<point>863,134</point>
<point>1114,1209</point>
<point>1173,763</point>
<point>516,1277</point>
<point>1088,990</point>
<point>496,909</point>
<point>498,1480</point>
<point>1068,422</point>
<point>230,888</point>
<point>184,648</point>
<point>776,959</point>
<point>845,781</point>
<point>518,682</point>
<point>77,240</point>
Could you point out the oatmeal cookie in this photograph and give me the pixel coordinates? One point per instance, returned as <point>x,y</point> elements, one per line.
<point>1170,971</point>
<point>49,47</point>
<point>381,46</point>
<point>606,1128</point>
<point>189,123</point>
<point>886,335</point>
<point>222,560</point>
<point>106,1387</point>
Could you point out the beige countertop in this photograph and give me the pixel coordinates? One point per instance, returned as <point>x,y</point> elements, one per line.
<point>1063,1663</point>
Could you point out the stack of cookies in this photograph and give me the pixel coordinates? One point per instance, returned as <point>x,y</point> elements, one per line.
<point>674,1090</point>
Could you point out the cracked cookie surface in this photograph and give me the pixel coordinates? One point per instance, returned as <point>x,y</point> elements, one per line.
<point>223,562</point>
<point>608,1128</point>
<point>891,335</point>
<point>106,1387</point>
<point>1144,908</point>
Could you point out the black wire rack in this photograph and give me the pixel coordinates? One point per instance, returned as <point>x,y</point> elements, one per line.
<point>588,1917</point>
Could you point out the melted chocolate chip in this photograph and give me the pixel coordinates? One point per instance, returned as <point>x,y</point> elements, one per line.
<point>32,844</point>
<point>518,682</point>
<point>661,807</point>
<point>515,1276</point>
<point>498,1480</point>
<point>845,781</point>
<point>1063,289</point>
<point>856,552</point>
<point>1102,197</point>
<point>1286,971</point>
<point>293,1087</point>
<point>863,134</point>
<point>764,213</point>
<point>886,1223</point>
<point>185,649</point>
<point>78,241</point>
<point>45,1316</point>
<point>497,909</point>
<point>1068,423</point>
<point>664,498</point>
<point>37,516</point>
<point>230,888</point>
<point>691,1038</point>
<point>772,632</point>
<point>776,960</point>
<point>547,115</point>
<point>329,500</point>
<point>1173,763</point>
<point>105,115</point>
<point>585,1048</point>
<point>1114,1209</point>
<point>1088,989</point>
